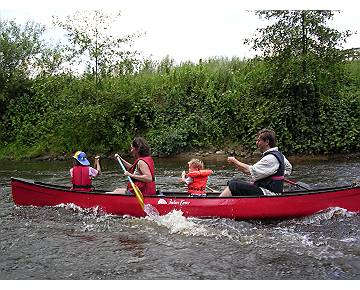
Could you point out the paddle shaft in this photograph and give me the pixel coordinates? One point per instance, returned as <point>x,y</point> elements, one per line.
<point>213,190</point>
<point>137,191</point>
<point>301,185</point>
<point>124,169</point>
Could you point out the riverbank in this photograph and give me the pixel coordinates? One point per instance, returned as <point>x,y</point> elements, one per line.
<point>209,156</point>
<point>298,159</point>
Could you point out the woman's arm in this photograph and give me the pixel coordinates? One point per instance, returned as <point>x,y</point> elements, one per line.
<point>127,165</point>
<point>144,170</point>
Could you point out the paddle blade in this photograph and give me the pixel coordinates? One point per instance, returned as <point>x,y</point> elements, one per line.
<point>303,185</point>
<point>298,184</point>
<point>151,211</point>
<point>138,195</point>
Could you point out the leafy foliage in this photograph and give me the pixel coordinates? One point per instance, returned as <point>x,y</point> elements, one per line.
<point>304,65</point>
<point>92,42</point>
<point>310,96</point>
<point>22,51</point>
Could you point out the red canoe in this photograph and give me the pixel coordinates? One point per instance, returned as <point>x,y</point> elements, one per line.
<point>288,205</point>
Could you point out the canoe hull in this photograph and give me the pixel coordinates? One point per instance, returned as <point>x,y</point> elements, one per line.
<point>296,204</point>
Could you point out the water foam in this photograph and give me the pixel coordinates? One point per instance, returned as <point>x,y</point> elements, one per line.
<point>96,211</point>
<point>349,240</point>
<point>151,211</point>
<point>177,223</point>
<point>327,215</point>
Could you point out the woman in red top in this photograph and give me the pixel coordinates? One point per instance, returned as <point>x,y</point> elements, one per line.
<point>142,171</point>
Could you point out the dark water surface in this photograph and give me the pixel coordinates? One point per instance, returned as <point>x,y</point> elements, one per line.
<point>70,243</point>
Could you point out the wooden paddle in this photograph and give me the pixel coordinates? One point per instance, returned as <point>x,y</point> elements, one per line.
<point>138,194</point>
<point>298,183</point>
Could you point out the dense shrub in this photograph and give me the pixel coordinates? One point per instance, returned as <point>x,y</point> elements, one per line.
<point>214,104</point>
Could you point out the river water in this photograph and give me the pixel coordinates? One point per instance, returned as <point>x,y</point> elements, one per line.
<point>71,243</point>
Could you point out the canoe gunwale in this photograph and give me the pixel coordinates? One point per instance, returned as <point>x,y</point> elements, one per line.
<point>165,193</point>
<point>290,205</point>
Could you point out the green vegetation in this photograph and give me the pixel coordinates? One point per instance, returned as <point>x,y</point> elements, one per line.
<point>310,97</point>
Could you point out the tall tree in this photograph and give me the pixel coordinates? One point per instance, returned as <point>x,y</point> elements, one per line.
<point>304,61</point>
<point>23,55</point>
<point>21,50</point>
<point>92,42</point>
<point>302,49</point>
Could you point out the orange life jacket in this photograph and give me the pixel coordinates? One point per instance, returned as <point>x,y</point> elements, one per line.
<point>81,179</point>
<point>146,188</point>
<point>200,178</point>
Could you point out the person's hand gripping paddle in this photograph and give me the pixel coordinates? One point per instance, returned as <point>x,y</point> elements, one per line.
<point>138,194</point>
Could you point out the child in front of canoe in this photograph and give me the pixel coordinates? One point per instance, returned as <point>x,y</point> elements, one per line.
<point>196,178</point>
<point>82,173</point>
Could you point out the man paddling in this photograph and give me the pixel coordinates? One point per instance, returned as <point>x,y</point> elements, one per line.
<point>267,174</point>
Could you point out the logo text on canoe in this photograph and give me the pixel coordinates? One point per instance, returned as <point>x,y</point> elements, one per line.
<point>181,202</point>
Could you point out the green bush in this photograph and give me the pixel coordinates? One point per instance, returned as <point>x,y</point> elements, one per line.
<point>212,104</point>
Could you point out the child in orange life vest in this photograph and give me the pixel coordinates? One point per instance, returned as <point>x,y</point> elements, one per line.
<point>196,178</point>
<point>81,172</point>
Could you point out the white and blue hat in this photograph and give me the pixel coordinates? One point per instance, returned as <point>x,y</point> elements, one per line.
<point>81,157</point>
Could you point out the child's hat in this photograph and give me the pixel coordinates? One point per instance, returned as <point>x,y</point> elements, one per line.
<point>81,157</point>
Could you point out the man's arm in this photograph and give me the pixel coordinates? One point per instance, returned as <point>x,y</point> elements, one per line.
<point>288,167</point>
<point>243,167</point>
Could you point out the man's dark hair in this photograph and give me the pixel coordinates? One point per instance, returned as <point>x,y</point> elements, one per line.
<point>142,146</point>
<point>268,135</point>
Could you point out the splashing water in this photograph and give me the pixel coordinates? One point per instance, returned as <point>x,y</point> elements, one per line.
<point>95,211</point>
<point>177,223</point>
<point>151,211</point>
<point>326,215</point>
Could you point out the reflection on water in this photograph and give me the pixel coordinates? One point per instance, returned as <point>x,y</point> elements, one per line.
<point>132,245</point>
<point>67,242</point>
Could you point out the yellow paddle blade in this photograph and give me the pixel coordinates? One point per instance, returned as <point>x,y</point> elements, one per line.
<point>138,195</point>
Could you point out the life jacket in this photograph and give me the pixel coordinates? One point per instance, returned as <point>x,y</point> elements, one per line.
<point>81,179</point>
<point>200,178</point>
<point>274,183</point>
<point>146,188</point>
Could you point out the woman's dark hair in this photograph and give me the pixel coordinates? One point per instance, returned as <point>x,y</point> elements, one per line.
<point>268,135</point>
<point>142,146</point>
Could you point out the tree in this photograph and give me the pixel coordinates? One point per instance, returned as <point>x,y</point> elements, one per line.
<point>20,51</point>
<point>301,47</point>
<point>304,63</point>
<point>24,55</point>
<point>91,42</point>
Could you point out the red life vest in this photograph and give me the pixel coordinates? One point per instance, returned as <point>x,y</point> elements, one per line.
<point>146,188</point>
<point>200,178</point>
<point>81,179</point>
